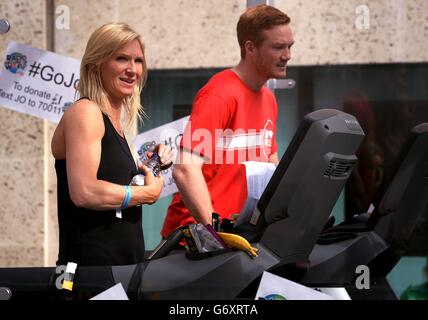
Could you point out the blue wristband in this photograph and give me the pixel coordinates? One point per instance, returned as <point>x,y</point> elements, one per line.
<point>127,199</point>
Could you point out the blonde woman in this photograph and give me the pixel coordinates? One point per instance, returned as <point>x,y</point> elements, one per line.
<point>93,162</point>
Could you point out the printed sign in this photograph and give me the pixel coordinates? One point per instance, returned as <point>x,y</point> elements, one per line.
<point>169,134</point>
<point>273,287</point>
<point>37,82</point>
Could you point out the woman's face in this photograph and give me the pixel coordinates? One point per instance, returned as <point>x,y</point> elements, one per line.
<point>122,72</point>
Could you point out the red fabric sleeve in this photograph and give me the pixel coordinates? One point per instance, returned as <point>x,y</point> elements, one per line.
<point>209,113</point>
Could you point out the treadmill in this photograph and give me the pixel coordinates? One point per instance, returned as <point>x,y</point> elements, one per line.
<point>286,225</point>
<point>381,240</point>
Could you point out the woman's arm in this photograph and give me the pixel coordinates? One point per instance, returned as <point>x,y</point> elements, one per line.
<point>83,131</point>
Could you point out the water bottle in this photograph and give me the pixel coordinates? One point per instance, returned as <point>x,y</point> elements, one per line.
<point>152,164</point>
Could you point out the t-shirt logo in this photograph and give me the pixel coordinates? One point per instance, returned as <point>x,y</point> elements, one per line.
<point>267,138</point>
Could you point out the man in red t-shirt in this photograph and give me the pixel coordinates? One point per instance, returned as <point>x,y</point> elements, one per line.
<point>233,120</point>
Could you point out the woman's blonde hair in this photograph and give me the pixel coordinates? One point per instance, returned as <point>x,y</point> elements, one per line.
<point>101,46</point>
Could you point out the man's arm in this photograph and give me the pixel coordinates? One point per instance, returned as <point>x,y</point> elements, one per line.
<point>193,188</point>
<point>274,158</point>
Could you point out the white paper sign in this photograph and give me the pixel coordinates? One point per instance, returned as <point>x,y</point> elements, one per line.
<point>36,82</point>
<point>336,293</point>
<point>169,134</point>
<point>114,293</point>
<point>273,287</point>
<point>258,175</point>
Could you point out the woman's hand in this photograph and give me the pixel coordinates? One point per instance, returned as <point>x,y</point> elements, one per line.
<point>153,185</point>
<point>165,154</point>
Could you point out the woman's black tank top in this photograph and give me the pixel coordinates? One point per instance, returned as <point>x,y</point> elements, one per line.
<point>88,237</point>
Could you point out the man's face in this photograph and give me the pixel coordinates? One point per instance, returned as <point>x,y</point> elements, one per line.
<point>272,55</point>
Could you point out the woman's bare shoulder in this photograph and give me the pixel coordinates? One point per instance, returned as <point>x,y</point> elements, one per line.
<point>83,113</point>
<point>83,107</point>
<point>82,116</point>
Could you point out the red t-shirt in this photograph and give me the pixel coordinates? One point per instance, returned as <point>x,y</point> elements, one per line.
<point>229,124</point>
